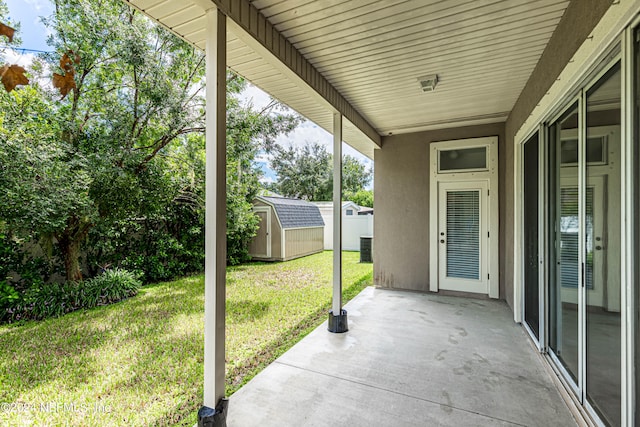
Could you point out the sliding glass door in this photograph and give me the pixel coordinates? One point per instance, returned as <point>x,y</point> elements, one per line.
<point>584,245</point>
<point>564,229</point>
<point>602,247</point>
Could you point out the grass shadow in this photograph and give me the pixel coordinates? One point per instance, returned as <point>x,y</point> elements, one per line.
<point>246,310</point>
<point>244,372</point>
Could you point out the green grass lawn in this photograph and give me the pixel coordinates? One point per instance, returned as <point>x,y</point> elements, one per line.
<point>140,361</point>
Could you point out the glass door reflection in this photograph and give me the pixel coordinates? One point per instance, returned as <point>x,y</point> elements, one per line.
<point>563,241</point>
<point>602,248</point>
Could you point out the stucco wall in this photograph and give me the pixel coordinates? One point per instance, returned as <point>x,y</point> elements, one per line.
<point>577,22</point>
<point>401,227</point>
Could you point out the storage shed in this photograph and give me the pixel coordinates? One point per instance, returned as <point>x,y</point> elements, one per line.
<point>289,228</point>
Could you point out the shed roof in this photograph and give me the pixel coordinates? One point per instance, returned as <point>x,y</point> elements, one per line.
<point>295,213</point>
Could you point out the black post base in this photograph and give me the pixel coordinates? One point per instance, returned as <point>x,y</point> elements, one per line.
<point>338,324</point>
<point>208,417</point>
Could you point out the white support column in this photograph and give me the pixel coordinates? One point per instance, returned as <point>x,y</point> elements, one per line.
<point>337,316</point>
<point>214,409</point>
<point>337,214</point>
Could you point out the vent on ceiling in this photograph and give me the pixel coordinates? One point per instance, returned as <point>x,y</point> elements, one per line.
<point>428,83</point>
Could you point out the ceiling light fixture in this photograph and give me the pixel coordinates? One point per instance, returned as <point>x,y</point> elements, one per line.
<point>428,83</point>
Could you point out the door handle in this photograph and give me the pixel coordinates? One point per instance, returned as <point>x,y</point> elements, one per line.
<point>442,241</point>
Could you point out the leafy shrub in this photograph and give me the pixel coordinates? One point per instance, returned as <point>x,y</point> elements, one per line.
<point>109,287</point>
<point>57,299</point>
<point>160,248</point>
<point>164,257</point>
<point>242,225</point>
<point>8,295</point>
<point>49,300</point>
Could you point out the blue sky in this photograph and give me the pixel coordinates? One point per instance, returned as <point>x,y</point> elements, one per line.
<point>34,36</point>
<point>28,12</point>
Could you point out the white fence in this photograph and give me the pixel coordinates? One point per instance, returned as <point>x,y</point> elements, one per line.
<point>353,227</point>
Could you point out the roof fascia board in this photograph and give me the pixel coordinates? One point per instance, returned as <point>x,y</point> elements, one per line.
<point>259,34</point>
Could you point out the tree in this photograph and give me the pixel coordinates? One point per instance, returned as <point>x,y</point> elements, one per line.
<point>106,154</point>
<point>355,176</point>
<point>306,172</point>
<point>303,172</point>
<point>137,89</point>
<point>249,131</point>
<point>361,198</point>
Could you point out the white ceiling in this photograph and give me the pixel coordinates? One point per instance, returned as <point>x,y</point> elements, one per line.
<point>373,51</point>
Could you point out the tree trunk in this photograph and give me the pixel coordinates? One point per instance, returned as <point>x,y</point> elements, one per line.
<point>71,255</point>
<point>70,242</point>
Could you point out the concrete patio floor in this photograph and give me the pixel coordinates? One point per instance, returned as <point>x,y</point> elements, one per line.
<point>409,359</point>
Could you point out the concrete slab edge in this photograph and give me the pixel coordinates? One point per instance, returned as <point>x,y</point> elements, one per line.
<point>579,414</point>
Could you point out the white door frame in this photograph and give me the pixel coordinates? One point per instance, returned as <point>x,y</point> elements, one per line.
<point>489,174</point>
<point>266,209</point>
<point>481,284</point>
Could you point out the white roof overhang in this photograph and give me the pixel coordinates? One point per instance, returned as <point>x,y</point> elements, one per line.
<point>363,58</point>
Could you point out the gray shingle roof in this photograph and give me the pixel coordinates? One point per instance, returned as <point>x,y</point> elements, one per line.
<point>295,213</point>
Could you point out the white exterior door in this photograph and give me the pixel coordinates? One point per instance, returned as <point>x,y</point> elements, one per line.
<point>463,236</point>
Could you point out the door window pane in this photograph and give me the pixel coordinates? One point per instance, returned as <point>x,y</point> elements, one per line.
<point>602,252</point>
<point>463,234</point>
<point>460,159</point>
<point>569,228</point>
<point>596,151</point>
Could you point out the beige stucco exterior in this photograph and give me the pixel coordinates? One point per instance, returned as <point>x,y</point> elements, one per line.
<point>577,22</point>
<point>401,254</point>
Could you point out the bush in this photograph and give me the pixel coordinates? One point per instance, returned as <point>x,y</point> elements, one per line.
<point>55,299</point>
<point>8,296</point>
<point>109,287</point>
<point>159,248</point>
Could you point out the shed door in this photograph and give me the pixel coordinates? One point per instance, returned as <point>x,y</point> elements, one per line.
<point>261,243</point>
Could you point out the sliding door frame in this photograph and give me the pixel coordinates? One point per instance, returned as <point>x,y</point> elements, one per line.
<point>541,340</point>
<point>627,49</point>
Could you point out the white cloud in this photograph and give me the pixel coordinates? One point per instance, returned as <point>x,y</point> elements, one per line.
<point>308,131</point>
<point>256,97</point>
<point>267,180</point>
<point>14,57</point>
<point>39,5</point>
<point>262,158</point>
